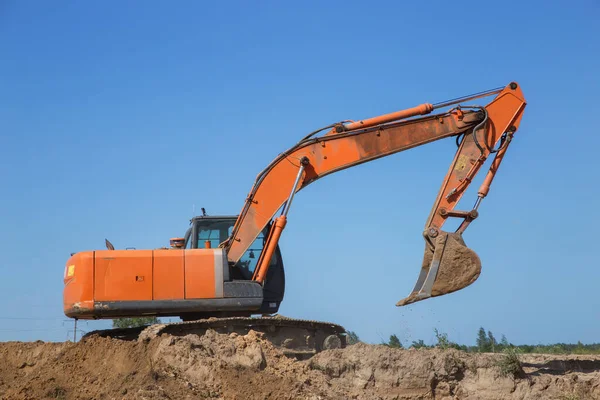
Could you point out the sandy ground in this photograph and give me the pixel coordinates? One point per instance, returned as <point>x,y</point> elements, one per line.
<point>217,366</point>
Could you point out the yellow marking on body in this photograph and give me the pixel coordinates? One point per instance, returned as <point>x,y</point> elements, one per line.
<point>461,163</point>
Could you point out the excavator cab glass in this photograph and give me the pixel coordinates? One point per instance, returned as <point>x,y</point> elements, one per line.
<point>213,231</point>
<point>216,229</point>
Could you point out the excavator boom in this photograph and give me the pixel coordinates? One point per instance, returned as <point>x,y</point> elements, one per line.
<point>448,264</point>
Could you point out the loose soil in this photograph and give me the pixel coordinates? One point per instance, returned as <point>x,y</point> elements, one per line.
<point>216,366</point>
<point>459,266</point>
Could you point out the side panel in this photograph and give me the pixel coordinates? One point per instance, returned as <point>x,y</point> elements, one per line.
<point>78,294</point>
<point>123,275</point>
<point>200,274</point>
<point>168,275</point>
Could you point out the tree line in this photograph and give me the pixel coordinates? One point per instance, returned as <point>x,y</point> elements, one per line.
<point>486,342</point>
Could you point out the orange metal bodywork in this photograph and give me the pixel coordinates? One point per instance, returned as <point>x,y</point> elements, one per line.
<point>122,275</point>
<point>504,113</point>
<point>199,274</point>
<point>78,292</point>
<point>138,275</point>
<point>168,275</point>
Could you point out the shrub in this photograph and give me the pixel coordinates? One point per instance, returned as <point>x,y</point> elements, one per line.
<point>510,363</point>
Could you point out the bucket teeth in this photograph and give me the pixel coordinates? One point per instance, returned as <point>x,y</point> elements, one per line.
<point>448,265</point>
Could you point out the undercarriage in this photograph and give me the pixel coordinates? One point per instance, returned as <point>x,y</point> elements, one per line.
<point>296,338</point>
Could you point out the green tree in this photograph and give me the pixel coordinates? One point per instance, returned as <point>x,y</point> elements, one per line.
<point>482,341</point>
<point>492,341</point>
<point>352,337</point>
<point>418,344</point>
<point>442,339</point>
<point>134,322</point>
<point>504,342</point>
<point>444,343</point>
<point>395,342</point>
<point>526,348</point>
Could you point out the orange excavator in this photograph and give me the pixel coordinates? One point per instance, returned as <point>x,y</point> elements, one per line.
<point>228,268</point>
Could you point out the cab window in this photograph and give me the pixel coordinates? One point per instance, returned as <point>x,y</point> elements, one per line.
<point>213,231</point>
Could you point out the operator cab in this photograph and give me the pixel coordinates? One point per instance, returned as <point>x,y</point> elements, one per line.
<point>213,230</point>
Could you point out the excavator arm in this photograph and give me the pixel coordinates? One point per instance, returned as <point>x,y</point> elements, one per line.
<point>481,131</point>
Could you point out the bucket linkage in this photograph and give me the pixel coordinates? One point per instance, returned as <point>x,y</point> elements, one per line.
<point>448,264</point>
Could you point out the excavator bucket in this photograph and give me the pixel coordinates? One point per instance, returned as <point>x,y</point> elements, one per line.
<point>448,265</point>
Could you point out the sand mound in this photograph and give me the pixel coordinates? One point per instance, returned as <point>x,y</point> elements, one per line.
<point>248,367</point>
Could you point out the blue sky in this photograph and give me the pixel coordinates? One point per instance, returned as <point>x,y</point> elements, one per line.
<point>118,119</point>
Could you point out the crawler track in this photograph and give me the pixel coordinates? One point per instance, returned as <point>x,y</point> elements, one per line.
<point>295,337</point>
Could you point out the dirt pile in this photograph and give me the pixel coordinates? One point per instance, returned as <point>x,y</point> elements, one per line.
<point>377,372</point>
<point>247,367</point>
